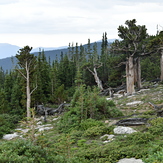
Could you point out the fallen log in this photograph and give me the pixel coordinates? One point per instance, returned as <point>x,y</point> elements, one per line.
<point>132,122</point>
<point>45,111</point>
<point>42,110</point>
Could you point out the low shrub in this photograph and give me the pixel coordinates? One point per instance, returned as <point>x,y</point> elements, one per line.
<point>87,104</point>
<point>88,123</point>
<point>7,123</point>
<point>24,151</point>
<point>97,131</point>
<point>155,157</point>
<point>156,127</point>
<point>139,138</point>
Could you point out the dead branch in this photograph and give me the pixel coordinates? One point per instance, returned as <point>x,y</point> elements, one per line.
<point>120,64</point>
<point>21,73</point>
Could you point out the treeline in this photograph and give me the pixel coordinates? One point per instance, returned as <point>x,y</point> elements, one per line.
<point>54,81</point>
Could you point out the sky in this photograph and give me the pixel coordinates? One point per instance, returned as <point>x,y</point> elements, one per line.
<point>56,23</point>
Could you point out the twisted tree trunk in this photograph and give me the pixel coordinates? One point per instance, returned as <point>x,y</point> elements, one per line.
<point>97,79</point>
<point>28,93</point>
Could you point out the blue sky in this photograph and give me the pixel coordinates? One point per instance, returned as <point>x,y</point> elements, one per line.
<point>55,23</point>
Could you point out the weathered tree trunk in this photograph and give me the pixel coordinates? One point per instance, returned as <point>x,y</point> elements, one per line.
<point>97,79</point>
<point>137,73</point>
<point>161,64</point>
<point>139,84</point>
<point>130,76</point>
<point>127,76</point>
<point>28,94</point>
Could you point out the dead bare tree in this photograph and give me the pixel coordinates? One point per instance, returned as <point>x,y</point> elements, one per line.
<point>94,73</point>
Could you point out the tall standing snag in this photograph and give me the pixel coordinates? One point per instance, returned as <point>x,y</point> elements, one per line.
<point>27,65</point>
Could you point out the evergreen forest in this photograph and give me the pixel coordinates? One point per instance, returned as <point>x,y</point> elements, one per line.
<point>81,78</point>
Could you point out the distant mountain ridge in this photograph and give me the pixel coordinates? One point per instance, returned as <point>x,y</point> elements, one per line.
<point>48,49</point>
<point>9,62</point>
<point>8,50</point>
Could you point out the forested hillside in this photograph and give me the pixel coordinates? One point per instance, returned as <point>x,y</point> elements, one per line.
<point>9,63</point>
<point>82,76</point>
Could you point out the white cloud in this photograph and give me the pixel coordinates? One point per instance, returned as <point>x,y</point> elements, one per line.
<point>4,2</point>
<point>54,23</point>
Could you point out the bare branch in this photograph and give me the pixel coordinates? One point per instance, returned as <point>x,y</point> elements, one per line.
<point>90,70</point>
<point>21,74</point>
<point>143,54</point>
<point>120,64</point>
<point>33,89</point>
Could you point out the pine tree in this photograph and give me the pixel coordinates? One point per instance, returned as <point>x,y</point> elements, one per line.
<point>17,94</point>
<point>156,45</point>
<point>42,94</point>
<point>2,77</point>
<point>104,69</point>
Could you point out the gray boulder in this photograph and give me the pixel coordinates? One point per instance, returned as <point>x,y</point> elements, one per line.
<point>130,160</point>
<point>134,103</point>
<point>123,130</point>
<point>10,136</point>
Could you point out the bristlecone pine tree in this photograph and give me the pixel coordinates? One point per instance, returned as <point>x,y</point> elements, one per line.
<point>133,47</point>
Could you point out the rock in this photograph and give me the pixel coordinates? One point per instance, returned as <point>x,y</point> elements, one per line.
<point>130,160</point>
<point>37,119</point>
<point>39,123</point>
<point>55,119</point>
<point>134,103</point>
<point>10,136</point>
<point>118,95</point>
<point>130,96</point>
<point>44,128</point>
<point>107,121</point>
<point>107,141</point>
<point>108,136</point>
<point>108,98</point>
<point>22,130</point>
<point>123,130</point>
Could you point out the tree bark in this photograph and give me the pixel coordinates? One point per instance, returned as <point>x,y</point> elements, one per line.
<point>139,84</point>
<point>28,93</point>
<point>127,76</point>
<point>161,64</point>
<point>137,73</point>
<point>130,76</point>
